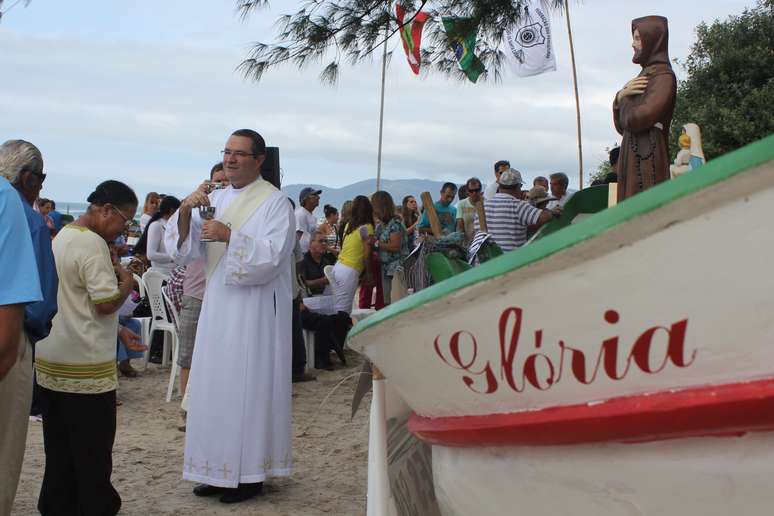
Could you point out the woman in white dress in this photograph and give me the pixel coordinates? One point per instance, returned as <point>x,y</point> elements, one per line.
<point>151,243</point>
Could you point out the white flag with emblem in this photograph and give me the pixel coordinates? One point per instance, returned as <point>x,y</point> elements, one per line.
<point>530,42</point>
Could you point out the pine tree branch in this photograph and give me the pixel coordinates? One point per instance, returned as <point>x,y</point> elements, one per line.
<point>356,28</point>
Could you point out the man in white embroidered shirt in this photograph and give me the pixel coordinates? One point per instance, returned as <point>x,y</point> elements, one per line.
<point>507,217</point>
<point>239,419</point>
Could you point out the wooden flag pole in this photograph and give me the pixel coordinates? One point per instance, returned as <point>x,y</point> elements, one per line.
<point>577,100</point>
<point>432,216</point>
<point>381,117</point>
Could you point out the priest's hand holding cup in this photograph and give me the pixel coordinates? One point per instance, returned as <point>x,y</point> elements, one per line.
<point>198,197</point>
<point>636,86</point>
<point>215,231</point>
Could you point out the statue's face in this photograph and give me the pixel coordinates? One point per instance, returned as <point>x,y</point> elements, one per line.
<point>636,44</point>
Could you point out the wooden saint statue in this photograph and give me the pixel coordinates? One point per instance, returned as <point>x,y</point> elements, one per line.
<point>642,110</point>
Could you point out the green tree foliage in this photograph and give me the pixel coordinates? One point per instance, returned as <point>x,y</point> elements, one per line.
<point>327,32</point>
<point>603,169</point>
<point>729,90</point>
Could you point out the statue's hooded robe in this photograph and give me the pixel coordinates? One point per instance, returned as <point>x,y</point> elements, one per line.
<point>643,120</point>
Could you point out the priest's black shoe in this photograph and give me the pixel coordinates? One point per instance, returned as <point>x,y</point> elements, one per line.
<point>208,490</point>
<point>242,493</point>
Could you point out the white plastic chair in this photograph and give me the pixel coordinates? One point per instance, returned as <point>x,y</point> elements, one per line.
<point>145,323</point>
<point>175,345</point>
<point>157,271</point>
<point>159,321</point>
<point>309,343</point>
<point>358,314</point>
<point>138,279</point>
<point>328,271</point>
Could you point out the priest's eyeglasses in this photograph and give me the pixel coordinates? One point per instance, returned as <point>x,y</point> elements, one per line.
<point>227,153</point>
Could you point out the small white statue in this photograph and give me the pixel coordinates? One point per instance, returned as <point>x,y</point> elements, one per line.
<point>691,155</point>
<point>682,162</point>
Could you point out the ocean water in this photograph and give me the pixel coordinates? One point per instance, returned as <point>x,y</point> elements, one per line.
<point>72,208</point>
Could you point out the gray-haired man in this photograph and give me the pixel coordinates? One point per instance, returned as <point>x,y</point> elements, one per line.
<point>21,289</point>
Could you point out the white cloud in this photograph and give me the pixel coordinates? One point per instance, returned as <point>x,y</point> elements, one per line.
<point>148,96</point>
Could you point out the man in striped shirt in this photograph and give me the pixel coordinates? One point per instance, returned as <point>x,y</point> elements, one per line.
<point>507,217</point>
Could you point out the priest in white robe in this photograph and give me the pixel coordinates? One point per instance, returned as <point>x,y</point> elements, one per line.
<point>239,409</point>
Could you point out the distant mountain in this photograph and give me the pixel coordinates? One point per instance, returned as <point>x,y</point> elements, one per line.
<point>398,188</point>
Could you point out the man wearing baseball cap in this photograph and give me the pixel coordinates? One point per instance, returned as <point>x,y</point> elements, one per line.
<point>306,223</point>
<point>507,216</point>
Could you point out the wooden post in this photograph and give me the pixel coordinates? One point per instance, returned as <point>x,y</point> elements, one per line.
<point>481,216</point>
<point>378,494</point>
<point>432,216</point>
<point>612,194</point>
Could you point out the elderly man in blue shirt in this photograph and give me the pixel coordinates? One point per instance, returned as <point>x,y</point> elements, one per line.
<point>21,287</point>
<point>21,163</point>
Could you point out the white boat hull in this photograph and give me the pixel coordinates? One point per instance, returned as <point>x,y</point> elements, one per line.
<point>623,366</point>
<point>726,476</point>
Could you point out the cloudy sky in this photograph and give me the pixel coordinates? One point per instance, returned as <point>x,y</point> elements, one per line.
<point>147,92</point>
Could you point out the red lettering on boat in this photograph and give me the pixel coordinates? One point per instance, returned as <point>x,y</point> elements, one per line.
<point>540,371</point>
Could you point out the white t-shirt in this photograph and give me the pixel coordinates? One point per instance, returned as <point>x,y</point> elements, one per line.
<point>144,219</point>
<point>561,201</point>
<point>490,190</point>
<point>79,355</point>
<point>156,250</point>
<point>306,223</point>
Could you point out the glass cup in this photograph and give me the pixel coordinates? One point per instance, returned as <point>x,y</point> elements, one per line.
<point>207,213</point>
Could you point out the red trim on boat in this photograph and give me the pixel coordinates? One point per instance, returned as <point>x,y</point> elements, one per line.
<point>716,410</point>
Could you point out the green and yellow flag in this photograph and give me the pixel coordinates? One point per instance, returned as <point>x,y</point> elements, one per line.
<point>462,36</point>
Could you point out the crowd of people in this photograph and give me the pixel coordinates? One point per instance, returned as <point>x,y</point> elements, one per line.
<point>247,285</point>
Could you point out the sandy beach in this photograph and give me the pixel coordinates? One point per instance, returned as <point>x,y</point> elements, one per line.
<point>330,453</point>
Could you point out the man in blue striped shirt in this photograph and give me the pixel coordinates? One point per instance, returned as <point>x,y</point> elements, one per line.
<point>507,216</point>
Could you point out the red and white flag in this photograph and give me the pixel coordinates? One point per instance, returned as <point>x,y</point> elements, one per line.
<point>411,36</point>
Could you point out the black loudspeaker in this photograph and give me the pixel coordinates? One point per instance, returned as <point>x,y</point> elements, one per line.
<point>270,170</point>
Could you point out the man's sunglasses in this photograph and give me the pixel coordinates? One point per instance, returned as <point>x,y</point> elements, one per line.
<point>40,175</point>
<point>474,190</point>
